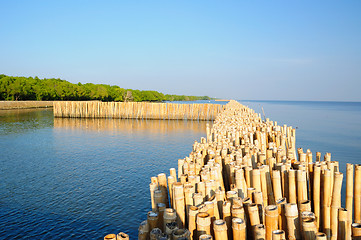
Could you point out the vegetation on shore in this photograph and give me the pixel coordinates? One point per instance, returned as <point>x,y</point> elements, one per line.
<point>48,89</point>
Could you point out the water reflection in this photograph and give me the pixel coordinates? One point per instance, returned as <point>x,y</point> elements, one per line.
<point>23,120</point>
<point>130,125</point>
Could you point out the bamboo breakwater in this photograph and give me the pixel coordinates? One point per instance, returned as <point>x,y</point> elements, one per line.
<point>247,180</point>
<point>136,110</point>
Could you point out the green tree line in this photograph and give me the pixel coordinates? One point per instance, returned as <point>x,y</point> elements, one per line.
<point>47,89</point>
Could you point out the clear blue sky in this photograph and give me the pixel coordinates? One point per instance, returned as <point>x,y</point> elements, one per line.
<point>277,50</point>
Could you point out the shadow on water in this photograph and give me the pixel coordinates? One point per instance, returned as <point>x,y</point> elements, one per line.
<point>18,121</point>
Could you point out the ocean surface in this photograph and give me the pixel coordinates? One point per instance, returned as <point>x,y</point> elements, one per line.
<point>85,178</point>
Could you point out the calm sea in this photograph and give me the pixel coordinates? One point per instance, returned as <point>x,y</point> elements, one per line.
<point>83,179</point>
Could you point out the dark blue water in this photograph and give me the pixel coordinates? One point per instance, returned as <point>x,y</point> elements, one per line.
<point>83,179</point>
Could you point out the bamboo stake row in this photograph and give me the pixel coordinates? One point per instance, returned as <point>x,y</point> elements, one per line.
<point>135,110</point>
<point>247,180</point>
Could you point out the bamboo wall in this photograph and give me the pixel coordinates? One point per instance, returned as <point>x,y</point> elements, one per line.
<point>135,110</point>
<point>247,180</point>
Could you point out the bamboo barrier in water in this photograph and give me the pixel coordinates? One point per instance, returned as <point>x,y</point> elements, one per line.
<point>135,110</point>
<point>242,160</point>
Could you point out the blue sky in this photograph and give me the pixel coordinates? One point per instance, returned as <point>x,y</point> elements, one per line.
<point>265,50</point>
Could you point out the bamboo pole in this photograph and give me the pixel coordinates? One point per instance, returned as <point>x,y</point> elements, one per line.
<point>342,224</point>
<point>301,185</point>
<point>153,186</point>
<point>293,223</point>
<point>110,237</point>
<point>271,220</point>
<point>180,234</point>
<point>281,214</point>
<point>316,193</point>
<point>326,214</point>
<point>336,203</point>
<point>143,231</point>
<point>220,230</point>
<point>160,209</point>
<point>357,194</point>
<point>162,181</point>
<point>356,231</point>
<point>122,236</point>
<point>321,236</point>
<point>256,180</point>
<point>169,216</point>
<point>239,229</point>
<point>155,233</point>
<point>253,214</point>
<point>349,196</point>
<point>205,237</point>
<point>179,203</point>
<point>203,224</point>
<point>308,226</point>
<point>278,235</point>
<point>227,216</point>
<point>152,220</point>
<point>259,232</point>
<point>276,182</point>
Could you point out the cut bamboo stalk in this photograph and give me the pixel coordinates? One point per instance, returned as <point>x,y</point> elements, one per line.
<point>193,211</point>
<point>256,180</point>
<point>316,193</point>
<point>281,214</point>
<point>179,203</point>
<point>171,181</point>
<point>277,188</point>
<point>227,217</point>
<point>169,216</point>
<point>336,203</point>
<point>220,199</point>
<point>293,223</point>
<point>326,211</point>
<point>110,237</point>
<point>292,192</point>
<point>357,194</point>
<point>180,234</point>
<point>143,230</point>
<point>271,220</point>
<point>170,227</point>
<point>220,230</point>
<point>264,185</point>
<point>160,209</point>
<point>258,199</point>
<point>321,236</point>
<point>349,196</point>
<point>189,190</point>
<point>153,186</point>
<point>122,236</point>
<point>152,220</point>
<point>239,229</point>
<point>259,232</point>
<point>301,185</point>
<point>278,235</point>
<point>342,224</point>
<point>309,228</point>
<point>205,237</point>
<point>197,199</point>
<point>155,233</point>
<point>253,215</point>
<point>356,231</point>
<point>203,224</point>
